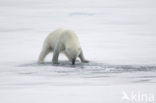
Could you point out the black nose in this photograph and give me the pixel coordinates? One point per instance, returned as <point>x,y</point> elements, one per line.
<point>73,61</point>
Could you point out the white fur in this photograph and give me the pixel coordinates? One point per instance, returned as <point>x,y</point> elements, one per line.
<point>62,40</point>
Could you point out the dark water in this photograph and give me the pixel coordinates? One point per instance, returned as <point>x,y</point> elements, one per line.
<point>93,67</point>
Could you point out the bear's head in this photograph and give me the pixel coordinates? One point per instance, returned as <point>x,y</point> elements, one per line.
<point>72,53</point>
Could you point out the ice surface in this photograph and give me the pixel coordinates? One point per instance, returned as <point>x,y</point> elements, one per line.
<point>117,36</point>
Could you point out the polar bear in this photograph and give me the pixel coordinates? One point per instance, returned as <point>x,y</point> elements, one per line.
<point>62,40</point>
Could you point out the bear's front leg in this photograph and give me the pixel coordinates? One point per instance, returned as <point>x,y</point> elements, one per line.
<point>82,58</point>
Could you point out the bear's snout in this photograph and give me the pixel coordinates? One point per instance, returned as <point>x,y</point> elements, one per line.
<point>73,61</point>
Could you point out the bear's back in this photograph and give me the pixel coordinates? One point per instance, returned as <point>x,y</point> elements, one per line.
<point>68,36</point>
<point>65,36</point>
<point>54,36</point>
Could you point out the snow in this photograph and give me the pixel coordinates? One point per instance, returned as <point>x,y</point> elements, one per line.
<point>118,37</point>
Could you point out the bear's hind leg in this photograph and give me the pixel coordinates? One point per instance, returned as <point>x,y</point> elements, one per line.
<point>56,54</point>
<point>43,54</point>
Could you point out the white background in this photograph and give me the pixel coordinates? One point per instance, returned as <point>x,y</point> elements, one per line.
<point>117,36</point>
